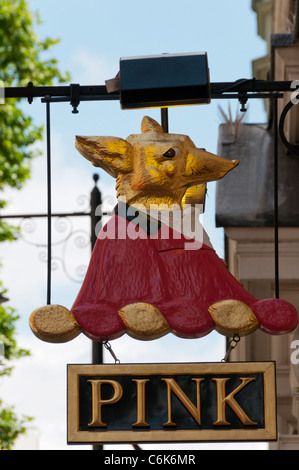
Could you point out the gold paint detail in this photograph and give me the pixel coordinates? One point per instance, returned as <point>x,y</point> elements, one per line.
<point>195,195</point>
<point>98,402</point>
<point>194,411</point>
<point>233,317</point>
<point>54,324</point>
<point>223,400</point>
<point>141,421</point>
<point>143,321</point>
<point>112,154</point>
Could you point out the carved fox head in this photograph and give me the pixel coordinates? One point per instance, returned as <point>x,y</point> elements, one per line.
<point>153,167</point>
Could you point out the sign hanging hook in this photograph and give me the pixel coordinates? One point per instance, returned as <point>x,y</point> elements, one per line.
<point>107,345</point>
<point>231,345</point>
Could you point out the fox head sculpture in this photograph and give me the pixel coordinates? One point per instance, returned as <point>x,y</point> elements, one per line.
<point>153,167</point>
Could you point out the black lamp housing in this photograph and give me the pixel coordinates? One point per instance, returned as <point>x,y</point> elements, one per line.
<point>164,80</point>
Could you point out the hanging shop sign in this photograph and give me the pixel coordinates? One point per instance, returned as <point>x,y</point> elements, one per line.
<point>153,270</point>
<point>171,402</point>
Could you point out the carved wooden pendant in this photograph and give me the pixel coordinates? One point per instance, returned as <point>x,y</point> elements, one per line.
<point>146,276</point>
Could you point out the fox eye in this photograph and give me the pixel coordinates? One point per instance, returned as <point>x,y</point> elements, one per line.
<point>171,152</point>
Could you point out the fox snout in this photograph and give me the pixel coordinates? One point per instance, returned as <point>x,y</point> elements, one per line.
<point>203,166</point>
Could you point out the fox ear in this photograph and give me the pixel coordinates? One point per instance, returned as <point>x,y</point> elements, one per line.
<point>150,125</point>
<point>113,154</point>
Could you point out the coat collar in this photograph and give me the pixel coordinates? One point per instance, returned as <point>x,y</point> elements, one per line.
<point>148,224</point>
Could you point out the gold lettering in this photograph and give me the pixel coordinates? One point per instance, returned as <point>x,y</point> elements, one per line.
<point>223,400</point>
<point>172,386</point>
<point>98,402</point>
<point>141,422</point>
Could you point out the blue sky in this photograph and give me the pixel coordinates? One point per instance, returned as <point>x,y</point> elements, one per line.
<point>94,35</point>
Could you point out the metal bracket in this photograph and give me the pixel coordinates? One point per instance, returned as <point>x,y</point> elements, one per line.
<point>75,97</point>
<point>30,98</point>
<point>243,98</point>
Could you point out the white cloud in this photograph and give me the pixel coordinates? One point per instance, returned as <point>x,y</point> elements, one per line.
<point>93,68</point>
<point>37,387</point>
<point>23,272</point>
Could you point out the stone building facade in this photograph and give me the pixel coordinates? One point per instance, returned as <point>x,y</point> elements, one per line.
<point>245,209</point>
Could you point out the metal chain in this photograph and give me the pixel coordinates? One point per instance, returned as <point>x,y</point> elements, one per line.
<point>231,345</point>
<point>107,345</point>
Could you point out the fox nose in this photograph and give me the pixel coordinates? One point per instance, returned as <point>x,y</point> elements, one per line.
<point>206,166</point>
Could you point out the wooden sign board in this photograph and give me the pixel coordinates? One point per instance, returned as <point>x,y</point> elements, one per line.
<point>193,402</point>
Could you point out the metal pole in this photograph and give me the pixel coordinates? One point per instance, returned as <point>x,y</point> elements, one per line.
<point>99,92</point>
<point>95,208</point>
<point>164,119</point>
<point>96,218</point>
<point>49,196</point>
<point>95,211</point>
<point>276,222</point>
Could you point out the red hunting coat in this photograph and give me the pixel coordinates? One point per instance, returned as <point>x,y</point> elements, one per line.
<point>128,267</point>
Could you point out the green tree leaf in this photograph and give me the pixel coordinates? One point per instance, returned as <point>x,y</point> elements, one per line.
<point>24,58</point>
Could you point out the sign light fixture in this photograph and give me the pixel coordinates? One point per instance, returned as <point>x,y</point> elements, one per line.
<point>164,80</point>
